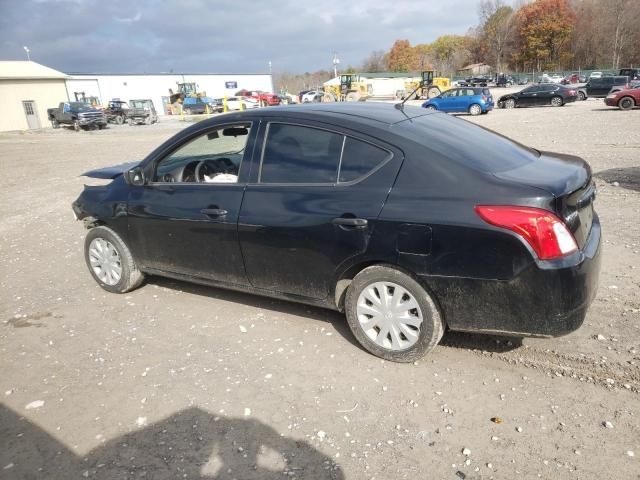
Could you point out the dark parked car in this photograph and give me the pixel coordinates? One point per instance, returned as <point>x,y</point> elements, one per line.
<point>78,115</point>
<point>481,81</point>
<point>600,87</point>
<point>407,220</point>
<point>116,111</point>
<point>536,95</point>
<point>632,73</point>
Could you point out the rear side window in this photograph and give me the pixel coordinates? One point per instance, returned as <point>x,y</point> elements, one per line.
<point>359,159</point>
<point>297,154</point>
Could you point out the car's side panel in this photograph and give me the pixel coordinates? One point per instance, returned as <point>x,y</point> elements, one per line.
<point>288,233</point>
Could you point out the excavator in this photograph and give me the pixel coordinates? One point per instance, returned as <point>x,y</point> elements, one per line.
<point>352,88</point>
<point>430,85</point>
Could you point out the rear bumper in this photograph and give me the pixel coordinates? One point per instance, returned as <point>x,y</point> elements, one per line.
<point>548,299</point>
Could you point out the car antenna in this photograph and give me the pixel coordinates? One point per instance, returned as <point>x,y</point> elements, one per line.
<point>400,105</point>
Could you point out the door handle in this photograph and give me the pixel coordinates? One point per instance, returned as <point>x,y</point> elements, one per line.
<point>214,212</point>
<point>350,222</point>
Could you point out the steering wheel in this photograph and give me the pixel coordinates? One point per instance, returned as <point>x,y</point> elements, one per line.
<point>228,167</point>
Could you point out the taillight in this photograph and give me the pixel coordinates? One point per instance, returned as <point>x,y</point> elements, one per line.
<point>546,233</point>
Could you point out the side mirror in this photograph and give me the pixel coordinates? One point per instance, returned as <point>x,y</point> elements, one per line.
<point>136,176</point>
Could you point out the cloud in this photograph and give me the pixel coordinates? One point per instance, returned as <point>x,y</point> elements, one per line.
<point>135,18</point>
<point>192,36</point>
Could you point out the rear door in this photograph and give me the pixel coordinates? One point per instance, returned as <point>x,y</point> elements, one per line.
<point>312,206</point>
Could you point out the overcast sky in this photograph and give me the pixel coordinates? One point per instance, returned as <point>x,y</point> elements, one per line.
<point>199,36</point>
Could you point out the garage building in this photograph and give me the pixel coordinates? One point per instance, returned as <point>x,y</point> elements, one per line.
<point>27,89</point>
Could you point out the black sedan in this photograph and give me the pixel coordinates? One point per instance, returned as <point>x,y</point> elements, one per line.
<point>383,213</point>
<point>536,95</point>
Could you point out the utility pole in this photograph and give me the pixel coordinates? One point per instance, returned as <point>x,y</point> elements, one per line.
<point>336,62</point>
<point>26,49</point>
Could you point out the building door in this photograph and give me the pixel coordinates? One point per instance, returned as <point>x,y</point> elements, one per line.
<point>31,113</point>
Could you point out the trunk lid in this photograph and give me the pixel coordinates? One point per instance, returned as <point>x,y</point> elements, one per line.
<point>569,180</point>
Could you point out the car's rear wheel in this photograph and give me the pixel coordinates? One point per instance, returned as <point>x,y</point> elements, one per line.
<point>120,119</point>
<point>581,96</point>
<point>509,103</point>
<point>626,103</point>
<point>110,262</point>
<point>556,101</point>
<point>55,123</point>
<point>475,109</point>
<point>392,315</point>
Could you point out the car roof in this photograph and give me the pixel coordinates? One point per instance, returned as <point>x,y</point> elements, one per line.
<point>382,112</point>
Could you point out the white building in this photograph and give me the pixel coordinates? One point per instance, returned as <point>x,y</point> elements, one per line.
<point>27,89</point>
<point>156,85</point>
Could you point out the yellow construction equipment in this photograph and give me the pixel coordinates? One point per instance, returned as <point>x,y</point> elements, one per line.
<point>352,88</point>
<point>428,86</point>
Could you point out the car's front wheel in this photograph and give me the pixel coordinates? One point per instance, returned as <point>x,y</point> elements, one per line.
<point>431,107</point>
<point>110,261</point>
<point>509,103</point>
<point>392,315</point>
<point>626,103</point>
<point>582,96</point>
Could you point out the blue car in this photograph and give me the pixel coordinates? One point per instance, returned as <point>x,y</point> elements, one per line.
<point>473,100</point>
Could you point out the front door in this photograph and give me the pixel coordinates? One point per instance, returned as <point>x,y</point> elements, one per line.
<point>31,113</point>
<point>184,220</point>
<point>312,207</point>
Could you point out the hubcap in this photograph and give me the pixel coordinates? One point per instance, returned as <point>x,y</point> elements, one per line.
<point>105,261</point>
<point>389,315</point>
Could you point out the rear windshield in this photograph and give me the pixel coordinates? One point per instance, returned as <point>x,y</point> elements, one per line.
<point>468,144</point>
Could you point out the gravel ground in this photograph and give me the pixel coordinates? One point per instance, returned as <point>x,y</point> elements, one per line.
<point>180,381</point>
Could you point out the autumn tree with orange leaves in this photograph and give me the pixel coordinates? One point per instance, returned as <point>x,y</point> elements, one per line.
<point>544,30</point>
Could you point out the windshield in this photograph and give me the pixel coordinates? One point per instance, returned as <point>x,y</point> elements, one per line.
<point>139,104</point>
<point>79,106</point>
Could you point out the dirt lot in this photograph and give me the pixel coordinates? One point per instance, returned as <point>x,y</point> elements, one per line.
<point>180,381</point>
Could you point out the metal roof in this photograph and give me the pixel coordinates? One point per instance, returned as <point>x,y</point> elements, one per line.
<point>23,70</point>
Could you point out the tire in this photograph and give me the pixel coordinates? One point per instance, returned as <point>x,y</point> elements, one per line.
<point>119,119</point>
<point>147,120</point>
<point>626,103</point>
<point>429,330</point>
<point>433,92</point>
<point>582,96</point>
<point>510,103</point>
<point>55,123</point>
<point>556,101</point>
<point>431,107</point>
<point>76,125</point>
<point>130,277</point>
<point>352,97</point>
<point>475,109</point>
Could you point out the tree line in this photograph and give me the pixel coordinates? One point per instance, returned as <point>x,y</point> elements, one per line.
<point>540,35</point>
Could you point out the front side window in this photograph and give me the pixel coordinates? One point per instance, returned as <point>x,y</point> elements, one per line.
<point>297,154</point>
<point>213,157</point>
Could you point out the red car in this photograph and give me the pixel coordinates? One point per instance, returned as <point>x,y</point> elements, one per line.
<point>624,99</point>
<point>264,98</point>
